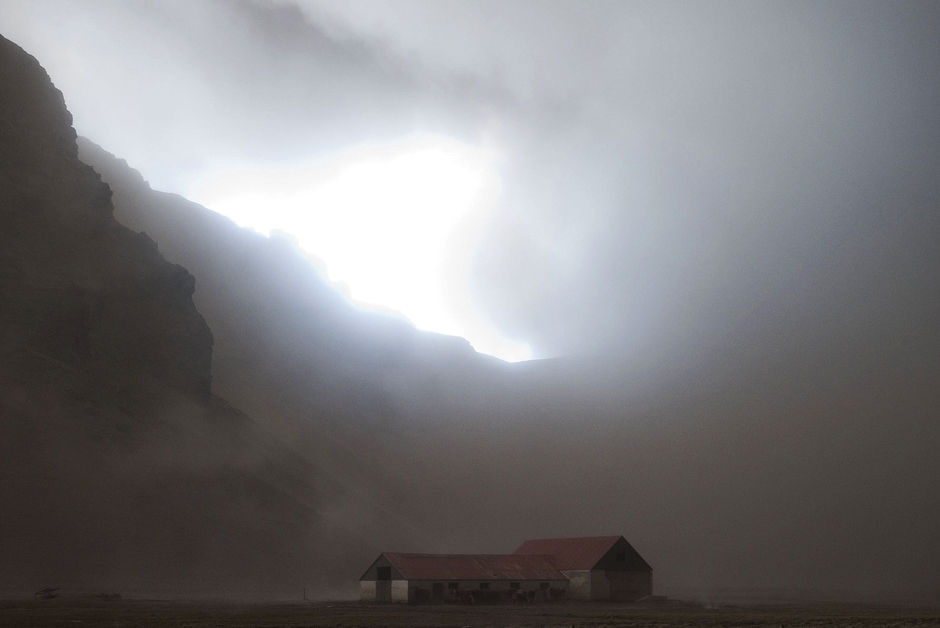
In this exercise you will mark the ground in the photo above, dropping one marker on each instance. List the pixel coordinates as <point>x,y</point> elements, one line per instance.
<point>146,614</point>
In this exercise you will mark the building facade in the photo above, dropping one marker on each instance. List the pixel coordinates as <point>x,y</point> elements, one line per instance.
<point>467,578</point>
<point>586,568</point>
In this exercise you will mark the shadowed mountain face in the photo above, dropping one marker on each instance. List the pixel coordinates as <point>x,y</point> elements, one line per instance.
<point>118,470</point>
<point>792,453</point>
<point>77,286</point>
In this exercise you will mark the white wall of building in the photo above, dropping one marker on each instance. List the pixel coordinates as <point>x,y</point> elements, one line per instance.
<point>400,590</point>
<point>579,584</point>
<point>367,590</point>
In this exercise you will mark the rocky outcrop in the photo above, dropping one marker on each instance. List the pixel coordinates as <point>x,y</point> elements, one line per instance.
<point>77,286</point>
<point>119,470</point>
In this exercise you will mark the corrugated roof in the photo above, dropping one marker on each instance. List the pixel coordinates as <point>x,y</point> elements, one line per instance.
<point>474,567</point>
<point>571,553</point>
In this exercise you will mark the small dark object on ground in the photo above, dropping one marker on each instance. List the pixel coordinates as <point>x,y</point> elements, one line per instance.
<point>47,594</point>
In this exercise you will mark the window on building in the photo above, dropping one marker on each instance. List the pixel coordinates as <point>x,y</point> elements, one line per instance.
<point>543,585</point>
<point>513,585</point>
<point>484,586</point>
<point>452,585</point>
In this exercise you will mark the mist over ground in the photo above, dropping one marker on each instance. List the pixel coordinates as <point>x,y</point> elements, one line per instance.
<point>719,220</point>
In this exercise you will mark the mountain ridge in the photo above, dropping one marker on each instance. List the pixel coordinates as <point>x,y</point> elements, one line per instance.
<point>120,470</point>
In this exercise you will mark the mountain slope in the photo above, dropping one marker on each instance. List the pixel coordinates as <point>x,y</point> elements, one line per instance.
<point>119,471</point>
<point>77,285</point>
<point>718,465</point>
<point>281,331</point>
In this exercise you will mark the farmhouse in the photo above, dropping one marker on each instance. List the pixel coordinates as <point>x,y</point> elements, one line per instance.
<point>588,568</point>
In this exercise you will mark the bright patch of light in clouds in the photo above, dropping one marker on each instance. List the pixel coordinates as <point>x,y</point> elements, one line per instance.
<point>390,222</point>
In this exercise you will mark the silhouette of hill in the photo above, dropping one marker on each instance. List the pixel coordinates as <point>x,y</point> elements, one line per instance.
<point>120,471</point>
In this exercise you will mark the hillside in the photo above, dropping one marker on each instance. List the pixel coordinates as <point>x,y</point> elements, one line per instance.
<point>287,343</point>
<point>703,460</point>
<point>120,470</point>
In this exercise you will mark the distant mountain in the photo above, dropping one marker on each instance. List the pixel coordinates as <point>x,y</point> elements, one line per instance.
<point>768,457</point>
<point>345,386</point>
<point>287,342</point>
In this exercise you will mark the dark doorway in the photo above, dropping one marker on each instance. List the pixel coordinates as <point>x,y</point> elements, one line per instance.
<point>437,592</point>
<point>383,584</point>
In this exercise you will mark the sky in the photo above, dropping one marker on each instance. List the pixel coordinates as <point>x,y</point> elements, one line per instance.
<point>544,178</point>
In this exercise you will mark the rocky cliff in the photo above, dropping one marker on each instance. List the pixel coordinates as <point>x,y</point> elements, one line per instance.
<point>119,470</point>
<point>77,287</point>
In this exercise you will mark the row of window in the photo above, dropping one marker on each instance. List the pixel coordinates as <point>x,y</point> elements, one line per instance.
<point>453,586</point>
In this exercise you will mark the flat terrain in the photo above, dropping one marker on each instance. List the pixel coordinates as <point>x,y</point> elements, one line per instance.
<point>127,613</point>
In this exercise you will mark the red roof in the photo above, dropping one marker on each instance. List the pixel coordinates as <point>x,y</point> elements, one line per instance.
<point>474,567</point>
<point>571,553</point>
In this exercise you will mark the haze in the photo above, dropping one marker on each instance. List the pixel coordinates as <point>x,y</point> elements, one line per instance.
<point>716,222</point>
<point>647,149</point>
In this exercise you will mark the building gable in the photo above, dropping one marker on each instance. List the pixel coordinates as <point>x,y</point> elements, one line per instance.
<point>372,573</point>
<point>622,557</point>
<point>586,553</point>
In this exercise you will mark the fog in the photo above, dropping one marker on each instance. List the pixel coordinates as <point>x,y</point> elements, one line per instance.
<point>666,167</point>
<point>719,220</point>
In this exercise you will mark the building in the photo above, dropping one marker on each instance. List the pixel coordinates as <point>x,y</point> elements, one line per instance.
<point>588,568</point>
<point>468,578</point>
<point>597,567</point>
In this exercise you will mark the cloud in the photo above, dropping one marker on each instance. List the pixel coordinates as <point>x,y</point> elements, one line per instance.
<point>182,88</point>
<point>681,172</point>
<point>672,172</point>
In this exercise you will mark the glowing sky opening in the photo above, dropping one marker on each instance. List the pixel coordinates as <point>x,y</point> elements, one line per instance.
<point>393,223</point>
